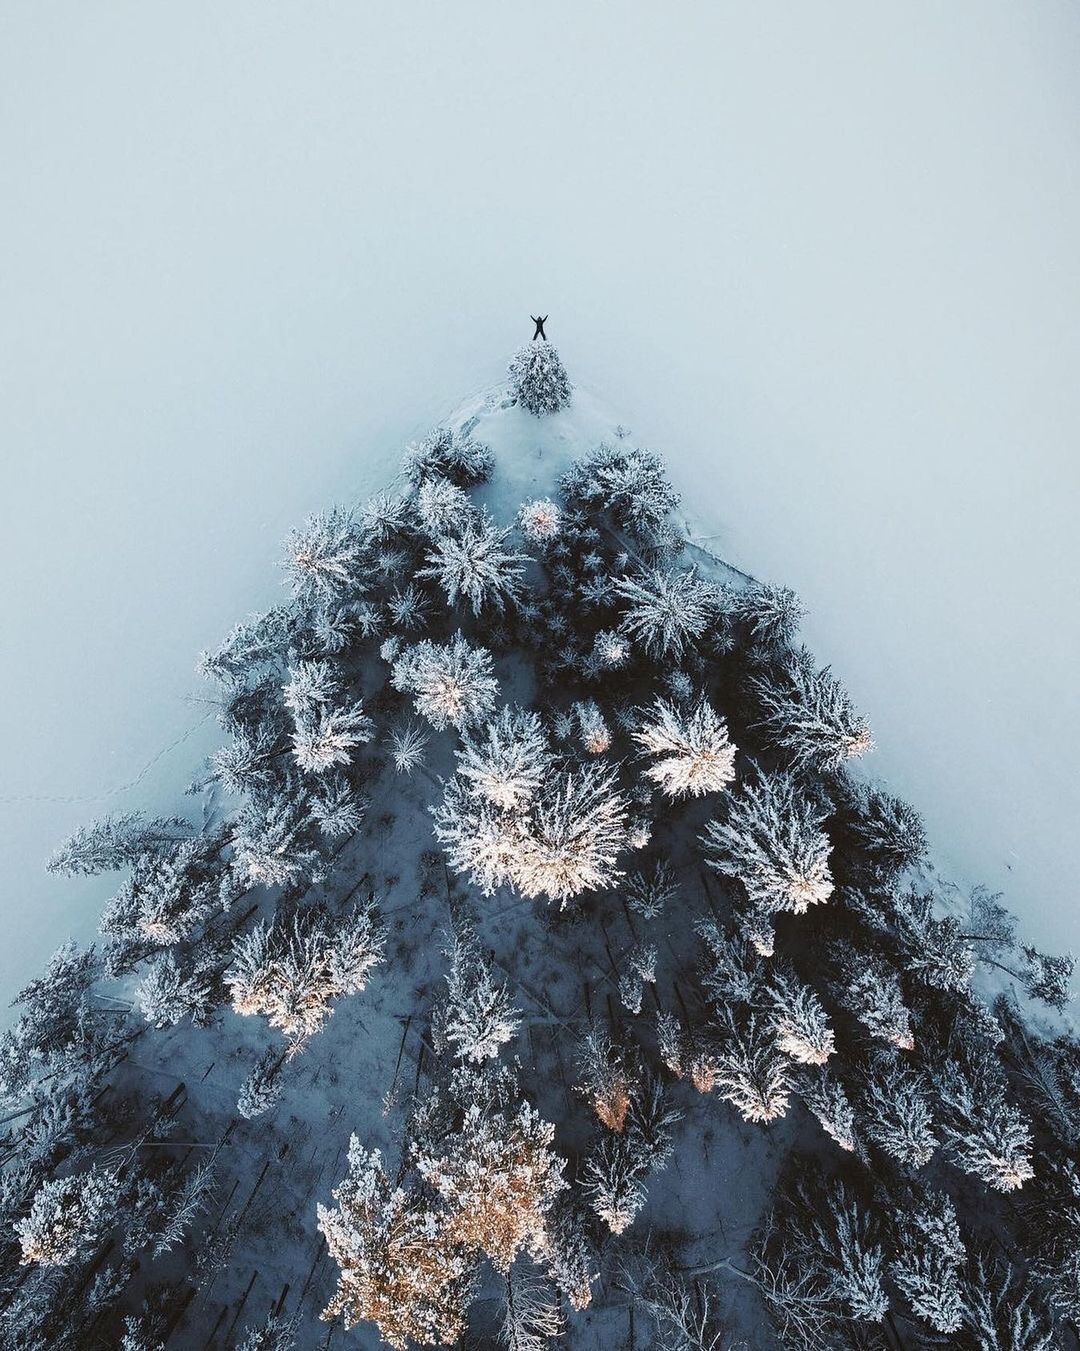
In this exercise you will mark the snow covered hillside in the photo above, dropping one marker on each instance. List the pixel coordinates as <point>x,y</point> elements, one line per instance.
<point>829,267</point>
<point>537,963</point>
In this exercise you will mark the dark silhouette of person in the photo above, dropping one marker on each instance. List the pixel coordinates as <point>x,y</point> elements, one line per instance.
<point>539,327</point>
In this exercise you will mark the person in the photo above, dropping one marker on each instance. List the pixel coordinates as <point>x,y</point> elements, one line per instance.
<point>539,327</point>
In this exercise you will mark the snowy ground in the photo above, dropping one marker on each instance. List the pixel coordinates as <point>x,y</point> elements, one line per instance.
<point>828,268</point>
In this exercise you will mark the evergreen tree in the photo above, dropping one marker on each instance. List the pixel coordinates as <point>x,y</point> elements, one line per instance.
<point>324,558</point>
<point>667,611</point>
<point>899,1115</point>
<point>869,990</point>
<point>478,1016</point>
<point>772,841</point>
<point>67,1216</point>
<point>166,994</point>
<point>292,970</point>
<point>769,614</point>
<point>531,1314</point>
<point>472,563</point>
<point>608,1080</point>
<point>498,1176</point>
<point>272,841</point>
<point>824,1096</point>
<point>261,1090</point>
<point>452,683</point>
<point>116,842</point>
<point>807,716</point>
<point>538,381</point>
<point>541,521</point>
<point>799,1022</point>
<point>631,484</point>
<point>639,970</point>
<point>276,1333</point>
<point>399,1266</point>
<point>694,753</point>
<point>648,893</point>
<point>752,1073</point>
<point>984,1135</point>
<point>927,1269</point>
<point>506,761</point>
<point>444,453</point>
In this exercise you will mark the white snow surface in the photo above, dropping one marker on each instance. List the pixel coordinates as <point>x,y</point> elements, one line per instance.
<point>826,265</point>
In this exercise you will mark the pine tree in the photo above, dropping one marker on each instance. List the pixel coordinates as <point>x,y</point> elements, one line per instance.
<point>262,1089</point>
<point>166,994</point>
<point>667,610</point>
<point>613,1180</point>
<point>610,651</point>
<point>639,970</point>
<point>531,1315</point>
<point>245,764</point>
<point>689,1053</point>
<point>250,650</point>
<point>570,1260</point>
<point>336,809</point>
<point>291,971</point>
<point>825,1098</point>
<point>183,1204</point>
<point>505,761</point>
<point>872,993</point>
<point>444,453</point>
<point>769,614</point>
<point>399,1267</point>
<point>608,1080</point>
<point>324,558</point>
<point>695,754</point>
<point>629,483</point>
<point>927,1269</point>
<point>772,841</point>
<point>452,683</point>
<point>442,506</point>
<point>614,1175</point>
<point>577,828</point>
<point>116,842</point>
<point>1047,977</point>
<point>498,1176</point>
<point>999,1315</point>
<point>67,1216</point>
<point>326,738</point>
<point>595,733</point>
<point>936,951</point>
<point>408,608</point>
<point>478,1016</point>
<point>888,831</point>
<point>168,896</point>
<point>538,381</point>
<point>407,746</point>
<point>799,1022</point>
<point>732,972</point>
<point>272,843</point>
<point>648,893</point>
<point>472,563</point>
<point>807,715</point>
<point>984,1135</point>
<point>277,1333</point>
<point>541,521</point>
<point>855,1260</point>
<point>899,1115</point>
<point>752,1073</point>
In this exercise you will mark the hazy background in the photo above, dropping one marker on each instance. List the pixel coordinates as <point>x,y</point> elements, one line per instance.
<point>824,256</point>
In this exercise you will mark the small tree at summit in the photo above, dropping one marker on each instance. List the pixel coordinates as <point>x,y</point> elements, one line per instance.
<point>538,380</point>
